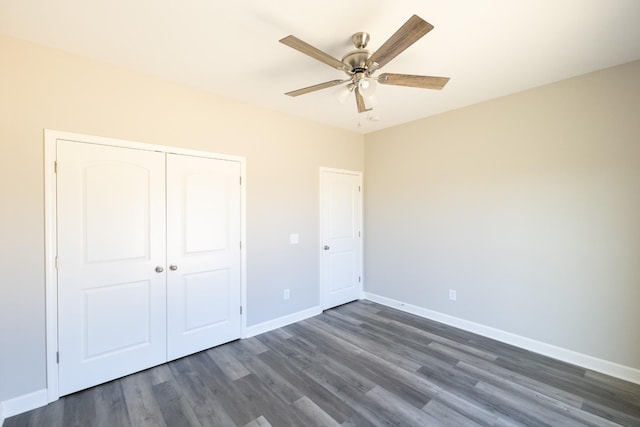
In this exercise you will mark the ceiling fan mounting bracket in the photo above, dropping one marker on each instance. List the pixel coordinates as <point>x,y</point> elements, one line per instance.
<point>360,40</point>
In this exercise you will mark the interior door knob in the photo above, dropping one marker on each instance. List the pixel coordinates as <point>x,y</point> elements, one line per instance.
<point>159,269</point>
<point>173,267</point>
<point>326,247</point>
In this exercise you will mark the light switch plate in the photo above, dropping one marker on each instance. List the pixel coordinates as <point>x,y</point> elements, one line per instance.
<point>294,239</point>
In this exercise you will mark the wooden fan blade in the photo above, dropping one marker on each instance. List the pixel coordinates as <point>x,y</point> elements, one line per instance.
<point>315,87</point>
<point>407,35</point>
<point>311,51</point>
<point>425,82</point>
<point>360,102</point>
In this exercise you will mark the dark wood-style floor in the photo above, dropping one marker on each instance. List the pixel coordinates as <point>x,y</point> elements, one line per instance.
<point>360,364</point>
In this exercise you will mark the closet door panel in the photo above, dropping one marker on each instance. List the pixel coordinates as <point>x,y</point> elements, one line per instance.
<point>111,238</point>
<point>203,253</point>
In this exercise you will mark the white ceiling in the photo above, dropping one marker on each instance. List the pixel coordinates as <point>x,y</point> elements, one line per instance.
<point>489,48</point>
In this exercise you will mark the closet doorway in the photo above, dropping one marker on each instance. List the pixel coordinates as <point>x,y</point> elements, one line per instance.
<point>146,255</point>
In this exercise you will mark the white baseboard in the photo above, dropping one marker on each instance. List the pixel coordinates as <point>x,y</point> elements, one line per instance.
<point>583,360</point>
<point>270,325</point>
<point>24,403</point>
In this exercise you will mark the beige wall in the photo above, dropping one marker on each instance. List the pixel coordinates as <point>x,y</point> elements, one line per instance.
<point>44,88</point>
<point>528,206</point>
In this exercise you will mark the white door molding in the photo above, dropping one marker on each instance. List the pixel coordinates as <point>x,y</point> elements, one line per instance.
<point>50,191</point>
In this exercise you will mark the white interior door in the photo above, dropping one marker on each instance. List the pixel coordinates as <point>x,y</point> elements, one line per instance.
<point>203,253</point>
<point>111,238</point>
<point>341,234</point>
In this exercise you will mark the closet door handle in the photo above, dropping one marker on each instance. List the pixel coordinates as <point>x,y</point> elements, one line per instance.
<point>159,269</point>
<point>173,267</point>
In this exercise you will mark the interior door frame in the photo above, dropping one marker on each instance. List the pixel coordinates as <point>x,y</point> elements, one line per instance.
<point>321,295</point>
<point>51,237</point>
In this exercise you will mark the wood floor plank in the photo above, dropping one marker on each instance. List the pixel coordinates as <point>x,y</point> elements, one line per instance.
<point>261,421</point>
<point>346,385</point>
<point>409,334</point>
<point>627,392</point>
<point>51,415</point>
<point>142,406</point>
<point>224,392</point>
<point>269,376</point>
<point>411,348</point>
<point>620,417</point>
<point>530,411</point>
<point>458,353</point>
<point>375,367</point>
<point>546,399</point>
<point>323,365</point>
<point>360,364</point>
<point>575,384</point>
<point>398,410</point>
<point>365,341</point>
<point>530,383</point>
<point>252,344</point>
<point>82,410</point>
<point>266,403</point>
<point>447,416</point>
<point>473,410</point>
<point>160,374</point>
<point>207,409</point>
<point>174,407</point>
<point>296,376</point>
<point>449,377</point>
<point>331,376</point>
<point>111,406</point>
<point>312,414</point>
<point>227,362</point>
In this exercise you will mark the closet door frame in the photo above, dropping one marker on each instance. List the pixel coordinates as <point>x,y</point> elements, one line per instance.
<point>51,277</point>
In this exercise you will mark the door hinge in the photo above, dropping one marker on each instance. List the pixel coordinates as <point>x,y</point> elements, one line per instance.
<point>359,279</point>
<point>55,166</point>
<point>240,309</point>
<point>57,262</point>
<point>240,244</point>
<point>240,180</point>
<point>57,357</point>
<point>358,233</point>
<point>359,190</point>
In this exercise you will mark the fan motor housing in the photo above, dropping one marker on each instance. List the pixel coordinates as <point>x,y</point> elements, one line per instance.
<point>356,61</point>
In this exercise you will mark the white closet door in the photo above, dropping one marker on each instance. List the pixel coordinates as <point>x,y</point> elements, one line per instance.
<point>203,253</point>
<point>111,238</point>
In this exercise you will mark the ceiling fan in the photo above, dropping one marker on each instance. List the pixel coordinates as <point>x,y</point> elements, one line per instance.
<point>360,64</point>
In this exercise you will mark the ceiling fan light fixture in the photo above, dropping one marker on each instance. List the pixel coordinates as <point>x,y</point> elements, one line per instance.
<point>367,86</point>
<point>343,92</point>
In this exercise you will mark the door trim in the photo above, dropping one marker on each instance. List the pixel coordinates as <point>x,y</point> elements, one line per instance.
<point>321,296</point>
<point>51,236</point>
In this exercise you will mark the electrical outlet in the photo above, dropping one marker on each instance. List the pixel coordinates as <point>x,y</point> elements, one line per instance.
<point>287,294</point>
<point>452,294</point>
